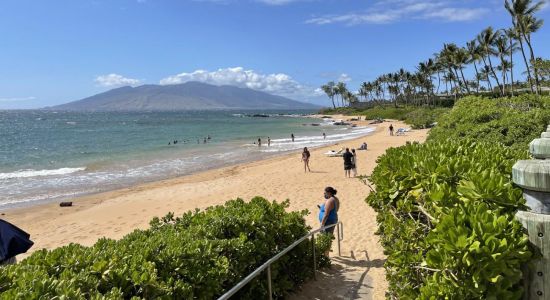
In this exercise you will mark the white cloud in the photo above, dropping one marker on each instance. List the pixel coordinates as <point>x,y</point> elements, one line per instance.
<point>276,83</point>
<point>114,80</point>
<point>344,77</point>
<point>16,99</point>
<point>390,11</point>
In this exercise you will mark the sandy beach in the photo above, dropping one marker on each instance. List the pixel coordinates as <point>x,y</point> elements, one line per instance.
<point>358,273</point>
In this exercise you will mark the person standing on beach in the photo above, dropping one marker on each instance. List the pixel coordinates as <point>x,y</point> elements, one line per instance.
<point>328,213</point>
<point>348,164</point>
<point>354,162</point>
<point>259,142</point>
<point>305,158</point>
<point>268,141</point>
<point>391,129</point>
<point>292,136</point>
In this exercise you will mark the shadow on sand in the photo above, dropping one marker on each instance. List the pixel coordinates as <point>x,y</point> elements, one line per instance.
<point>346,279</point>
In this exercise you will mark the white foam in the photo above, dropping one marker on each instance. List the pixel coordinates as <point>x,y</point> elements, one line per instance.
<point>36,173</point>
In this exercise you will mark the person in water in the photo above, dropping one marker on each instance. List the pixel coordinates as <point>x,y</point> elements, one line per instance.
<point>292,136</point>
<point>305,158</point>
<point>328,213</point>
<point>324,136</point>
<point>259,142</point>
<point>268,141</point>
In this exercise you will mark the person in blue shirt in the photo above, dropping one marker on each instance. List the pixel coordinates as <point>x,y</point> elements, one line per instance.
<point>328,213</point>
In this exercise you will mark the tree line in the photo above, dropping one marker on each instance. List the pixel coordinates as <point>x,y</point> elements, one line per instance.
<point>491,53</point>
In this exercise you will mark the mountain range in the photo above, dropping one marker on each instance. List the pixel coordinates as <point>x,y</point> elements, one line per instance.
<point>185,96</point>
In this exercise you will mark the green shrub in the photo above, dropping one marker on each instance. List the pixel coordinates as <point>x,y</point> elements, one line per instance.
<point>513,121</point>
<point>446,220</point>
<point>199,255</point>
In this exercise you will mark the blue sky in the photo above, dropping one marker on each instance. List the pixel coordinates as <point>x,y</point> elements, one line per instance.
<point>53,52</point>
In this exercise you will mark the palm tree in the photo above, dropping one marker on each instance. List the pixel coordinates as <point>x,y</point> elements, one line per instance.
<point>329,90</point>
<point>486,40</point>
<point>529,24</point>
<point>511,34</point>
<point>475,56</point>
<point>519,10</point>
<point>501,45</point>
<point>341,89</point>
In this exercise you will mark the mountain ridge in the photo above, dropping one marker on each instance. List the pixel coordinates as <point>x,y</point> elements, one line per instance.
<point>191,95</point>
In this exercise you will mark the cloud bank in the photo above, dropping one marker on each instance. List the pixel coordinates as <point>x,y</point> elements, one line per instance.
<point>114,80</point>
<point>276,83</point>
<point>391,11</point>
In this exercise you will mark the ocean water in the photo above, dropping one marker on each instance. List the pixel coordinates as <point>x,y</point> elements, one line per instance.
<point>49,155</point>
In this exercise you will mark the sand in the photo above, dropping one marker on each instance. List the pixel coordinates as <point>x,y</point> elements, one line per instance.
<point>358,273</point>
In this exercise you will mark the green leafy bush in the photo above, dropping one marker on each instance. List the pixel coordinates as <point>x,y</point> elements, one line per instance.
<point>446,219</point>
<point>513,121</point>
<point>199,255</point>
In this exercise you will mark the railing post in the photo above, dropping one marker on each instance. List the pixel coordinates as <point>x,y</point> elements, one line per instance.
<point>338,237</point>
<point>533,176</point>
<point>269,282</point>
<point>314,258</point>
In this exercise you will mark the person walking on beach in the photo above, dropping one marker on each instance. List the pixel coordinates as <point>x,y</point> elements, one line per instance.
<point>268,141</point>
<point>328,211</point>
<point>305,159</point>
<point>391,129</point>
<point>348,164</point>
<point>292,136</point>
<point>354,162</point>
<point>259,142</point>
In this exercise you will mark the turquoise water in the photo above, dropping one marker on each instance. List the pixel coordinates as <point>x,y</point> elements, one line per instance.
<point>48,155</point>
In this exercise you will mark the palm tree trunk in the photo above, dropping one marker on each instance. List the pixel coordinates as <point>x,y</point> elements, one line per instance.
<point>464,79</point>
<point>488,77</point>
<point>477,76</point>
<point>512,67</point>
<point>332,99</point>
<point>529,78</point>
<point>503,74</point>
<point>494,74</point>
<point>535,70</point>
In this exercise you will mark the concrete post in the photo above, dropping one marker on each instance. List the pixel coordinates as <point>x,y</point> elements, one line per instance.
<point>533,176</point>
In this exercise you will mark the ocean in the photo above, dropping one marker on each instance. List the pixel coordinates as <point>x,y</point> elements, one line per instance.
<point>49,155</point>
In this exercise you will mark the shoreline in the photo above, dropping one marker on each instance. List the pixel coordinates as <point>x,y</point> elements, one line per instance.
<point>219,156</point>
<point>116,213</point>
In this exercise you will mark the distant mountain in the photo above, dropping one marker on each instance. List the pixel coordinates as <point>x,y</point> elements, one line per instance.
<point>186,96</point>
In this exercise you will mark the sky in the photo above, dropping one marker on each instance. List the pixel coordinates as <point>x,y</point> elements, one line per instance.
<point>57,51</point>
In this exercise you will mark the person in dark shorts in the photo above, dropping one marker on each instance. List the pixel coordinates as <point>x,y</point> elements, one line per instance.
<point>328,213</point>
<point>292,136</point>
<point>348,162</point>
<point>305,158</point>
<point>391,129</point>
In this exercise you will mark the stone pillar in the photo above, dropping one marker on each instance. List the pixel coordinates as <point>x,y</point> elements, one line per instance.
<point>533,176</point>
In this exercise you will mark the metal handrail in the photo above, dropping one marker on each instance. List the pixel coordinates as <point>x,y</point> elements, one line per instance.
<point>267,264</point>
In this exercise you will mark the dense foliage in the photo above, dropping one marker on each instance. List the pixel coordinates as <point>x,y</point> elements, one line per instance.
<point>513,122</point>
<point>417,117</point>
<point>446,219</point>
<point>199,255</point>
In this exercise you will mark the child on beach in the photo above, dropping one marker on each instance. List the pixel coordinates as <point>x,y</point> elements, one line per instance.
<point>305,159</point>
